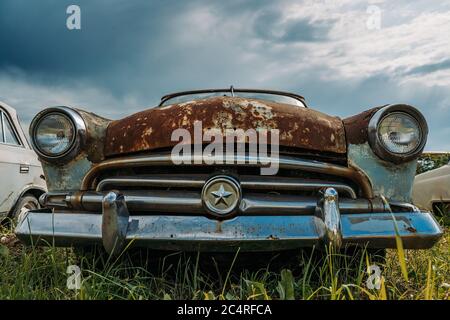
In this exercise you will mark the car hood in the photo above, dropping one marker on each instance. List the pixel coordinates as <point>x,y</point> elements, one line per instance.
<point>298,127</point>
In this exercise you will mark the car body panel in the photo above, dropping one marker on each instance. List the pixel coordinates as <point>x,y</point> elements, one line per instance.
<point>394,182</point>
<point>150,202</point>
<point>69,175</point>
<point>432,187</point>
<point>298,127</point>
<point>390,180</point>
<point>20,168</point>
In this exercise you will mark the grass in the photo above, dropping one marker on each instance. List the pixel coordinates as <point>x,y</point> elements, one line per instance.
<point>40,273</point>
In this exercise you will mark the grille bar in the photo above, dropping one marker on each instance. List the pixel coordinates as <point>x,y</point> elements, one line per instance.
<point>247,182</point>
<point>190,203</point>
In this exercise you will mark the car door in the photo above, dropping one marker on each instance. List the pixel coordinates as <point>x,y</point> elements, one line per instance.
<point>15,163</point>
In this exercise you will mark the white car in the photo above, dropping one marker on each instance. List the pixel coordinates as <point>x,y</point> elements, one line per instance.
<point>432,189</point>
<point>22,180</point>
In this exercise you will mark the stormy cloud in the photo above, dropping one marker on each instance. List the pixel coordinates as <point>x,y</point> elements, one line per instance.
<point>130,53</point>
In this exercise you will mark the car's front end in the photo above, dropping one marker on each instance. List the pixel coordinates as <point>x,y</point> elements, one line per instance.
<point>115,183</point>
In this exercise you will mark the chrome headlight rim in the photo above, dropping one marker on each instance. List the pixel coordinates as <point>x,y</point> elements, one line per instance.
<point>379,147</point>
<point>77,142</point>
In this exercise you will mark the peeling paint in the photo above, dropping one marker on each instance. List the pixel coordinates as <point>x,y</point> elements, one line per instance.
<point>390,180</point>
<point>356,126</point>
<point>299,127</point>
<point>96,132</point>
<point>67,177</point>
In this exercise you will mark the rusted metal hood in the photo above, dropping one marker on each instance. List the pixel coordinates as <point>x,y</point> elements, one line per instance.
<point>298,127</point>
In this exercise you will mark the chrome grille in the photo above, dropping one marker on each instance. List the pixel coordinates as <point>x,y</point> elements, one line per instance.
<point>149,187</point>
<point>268,183</point>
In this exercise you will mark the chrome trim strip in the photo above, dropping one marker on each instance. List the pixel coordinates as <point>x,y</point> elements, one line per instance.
<point>7,119</point>
<point>332,217</point>
<point>282,183</point>
<point>2,126</point>
<point>190,203</point>
<point>115,218</point>
<point>187,202</point>
<point>193,181</point>
<point>232,90</point>
<point>404,205</point>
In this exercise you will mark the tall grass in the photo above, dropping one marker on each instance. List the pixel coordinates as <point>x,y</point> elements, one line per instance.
<point>40,273</point>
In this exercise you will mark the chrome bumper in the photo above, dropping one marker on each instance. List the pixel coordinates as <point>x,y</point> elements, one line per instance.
<point>115,229</point>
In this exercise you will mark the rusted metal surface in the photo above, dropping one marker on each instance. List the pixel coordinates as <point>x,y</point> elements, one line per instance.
<point>68,176</point>
<point>356,126</point>
<point>394,181</point>
<point>174,217</point>
<point>298,127</point>
<point>389,178</point>
<point>95,135</point>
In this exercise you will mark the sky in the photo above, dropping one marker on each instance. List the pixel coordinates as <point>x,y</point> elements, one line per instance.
<point>342,56</point>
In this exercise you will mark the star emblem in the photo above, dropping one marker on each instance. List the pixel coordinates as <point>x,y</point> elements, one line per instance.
<point>221,195</point>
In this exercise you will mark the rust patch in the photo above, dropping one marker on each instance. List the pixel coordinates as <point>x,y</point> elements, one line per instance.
<point>219,227</point>
<point>95,135</point>
<point>356,126</point>
<point>298,127</point>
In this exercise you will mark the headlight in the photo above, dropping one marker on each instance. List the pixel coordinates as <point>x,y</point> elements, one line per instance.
<point>54,134</point>
<point>398,133</point>
<point>57,133</point>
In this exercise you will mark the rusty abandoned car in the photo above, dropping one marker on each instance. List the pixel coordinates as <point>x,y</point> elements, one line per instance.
<point>344,182</point>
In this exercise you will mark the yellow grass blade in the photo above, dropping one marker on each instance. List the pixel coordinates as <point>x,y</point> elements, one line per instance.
<point>400,250</point>
<point>429,287</point>
<point>382,295</point>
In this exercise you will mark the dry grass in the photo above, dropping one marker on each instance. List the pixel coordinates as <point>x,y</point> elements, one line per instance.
<point>40,273</point>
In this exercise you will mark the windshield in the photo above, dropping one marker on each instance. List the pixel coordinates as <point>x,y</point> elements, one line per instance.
<point>273,96</point>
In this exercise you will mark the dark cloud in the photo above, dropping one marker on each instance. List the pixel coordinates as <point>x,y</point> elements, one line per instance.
<point>345,99</point>
<point>106,50</point>
<point>429,68</point>
<point>130,53</point>
<point>128,48</point>
<point>269,25</point>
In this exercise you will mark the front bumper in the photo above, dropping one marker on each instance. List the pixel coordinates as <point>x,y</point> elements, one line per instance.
<point>418,230</point>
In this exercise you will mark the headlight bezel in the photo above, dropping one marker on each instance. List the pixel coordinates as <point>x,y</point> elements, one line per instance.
<point>378,146</point>
<point>78,140</point>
